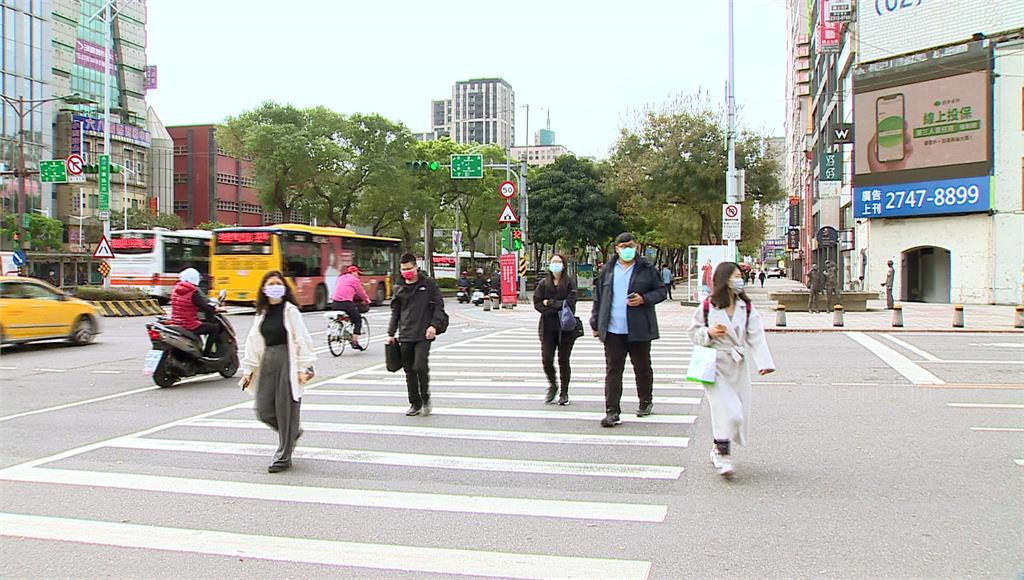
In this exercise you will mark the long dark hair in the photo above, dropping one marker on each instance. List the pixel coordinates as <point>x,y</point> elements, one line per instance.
<point>721,293</point>
<point>262,302</point>
<point>563,280</point>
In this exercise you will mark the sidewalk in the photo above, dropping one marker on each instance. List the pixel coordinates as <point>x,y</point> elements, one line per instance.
<point>917,316</point>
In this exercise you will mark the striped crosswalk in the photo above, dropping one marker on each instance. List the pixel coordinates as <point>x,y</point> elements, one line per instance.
<point>490,456</point>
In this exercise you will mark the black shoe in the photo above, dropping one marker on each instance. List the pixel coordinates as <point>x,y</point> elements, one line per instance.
<point>611,419</point>
<point>645,409</point>
<point>299,434</point>
<point>279,467</point>
<point>563,400</point>
<point>357,346</point>
<point>550,397</point>
<point>412,412</point>
<point>426,409</point>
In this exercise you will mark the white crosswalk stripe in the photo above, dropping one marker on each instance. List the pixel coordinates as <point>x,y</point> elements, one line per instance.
<point>489,428</point>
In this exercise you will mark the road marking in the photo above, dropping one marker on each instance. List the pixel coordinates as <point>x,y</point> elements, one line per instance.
<point>975,386</point>
<point>855,384</point>
<point>441,561</point>
<point>499,413</point>
<point>467,434</point>
<point>499,396</point>
<point>437,502</point>
<point>769,384</point>
<point>8,368</point>
<point>979,362</point>
<point>50,370</point>
<point>999,344</point>
<point>480,374</point>
<point>503,359</point>
<point>985,405</point>
<point>104,372</point>
<point>901,364</point>
<point>503,384</point>
<point>1019,462</point>
<point>925,355</point>
<point>999,429</point>
<point>536,364</point>
<point>420,460</point>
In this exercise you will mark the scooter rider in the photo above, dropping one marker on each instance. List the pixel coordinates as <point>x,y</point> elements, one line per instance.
<point>480,282</point>
<point>187,301</point>
<point>464,281</point>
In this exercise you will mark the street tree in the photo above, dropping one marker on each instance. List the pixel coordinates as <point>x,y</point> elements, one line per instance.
<point>140,219</point>
<point>44,233</point>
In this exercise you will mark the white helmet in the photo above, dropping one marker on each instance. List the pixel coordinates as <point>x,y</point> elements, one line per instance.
<point>190,275</point>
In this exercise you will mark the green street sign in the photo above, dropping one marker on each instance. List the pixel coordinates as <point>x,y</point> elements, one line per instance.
<point>53,171</point>
<point>831,166</point>
<point>104,177</point>
<point>26,220</point>
<point>467,166</point>
<point>506,238</point>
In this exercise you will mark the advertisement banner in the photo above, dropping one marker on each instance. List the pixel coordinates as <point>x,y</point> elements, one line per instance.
<point>509,275</point>
<point>149,82</point>
<point>946,196</point>
<point>839,11</point>
<point>831,166</point>
<point>91,126</point>
<point>891,27</point>
<point>585,280</point>
<point>92,56</point>
<point>829,33</point>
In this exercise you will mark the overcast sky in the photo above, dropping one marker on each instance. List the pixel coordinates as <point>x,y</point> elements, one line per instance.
<point>594,63</point>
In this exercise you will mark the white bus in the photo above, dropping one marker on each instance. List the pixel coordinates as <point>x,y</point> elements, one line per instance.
<point>150,260</point>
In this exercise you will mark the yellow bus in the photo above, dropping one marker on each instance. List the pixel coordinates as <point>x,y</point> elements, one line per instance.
<point>311,258</point>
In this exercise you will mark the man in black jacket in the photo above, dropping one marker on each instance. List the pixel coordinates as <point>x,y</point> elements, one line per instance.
<point>417,315</point>
<point>624,318</point>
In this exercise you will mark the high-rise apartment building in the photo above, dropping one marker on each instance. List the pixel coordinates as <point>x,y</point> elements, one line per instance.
<point>480,111</point>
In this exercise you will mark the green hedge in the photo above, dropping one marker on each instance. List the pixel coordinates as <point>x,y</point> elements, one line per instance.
<point>100,293</point>
<point>448,282</point>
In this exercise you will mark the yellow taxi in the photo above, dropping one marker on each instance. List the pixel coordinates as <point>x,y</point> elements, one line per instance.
<point>31,310</point>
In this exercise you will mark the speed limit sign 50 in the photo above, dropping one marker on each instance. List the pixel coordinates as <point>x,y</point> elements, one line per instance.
<point>507,189</point>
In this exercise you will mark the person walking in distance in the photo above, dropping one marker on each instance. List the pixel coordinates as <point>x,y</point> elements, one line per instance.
<point>278,362</point>
<point>890,277</point>
<point>349,290</point>
<point>553,292</point>
<point>625,320</point>
<point>666,278</point>
<point>705,277</point>
<point>761,276</point>
<point>814,284</point>
<point>728,323</point>
<point>417,316</point>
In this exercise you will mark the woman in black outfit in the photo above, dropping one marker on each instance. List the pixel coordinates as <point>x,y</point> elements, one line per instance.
<point>554,291</point>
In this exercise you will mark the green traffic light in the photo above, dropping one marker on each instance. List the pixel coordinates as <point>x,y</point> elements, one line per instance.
<point>434,165</point>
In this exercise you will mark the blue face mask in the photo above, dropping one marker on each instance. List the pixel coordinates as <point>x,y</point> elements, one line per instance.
<point>556,267</point>
<point>627,254</point>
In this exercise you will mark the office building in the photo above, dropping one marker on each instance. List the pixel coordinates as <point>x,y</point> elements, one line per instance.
<point>479,111</point>
<point>539,154</point>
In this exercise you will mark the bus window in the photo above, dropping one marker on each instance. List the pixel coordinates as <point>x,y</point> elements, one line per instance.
<point>181,253</point>
<point>243,243</point>
<point>301,255</point>
<point>130,243</point>
<point>373,258</point>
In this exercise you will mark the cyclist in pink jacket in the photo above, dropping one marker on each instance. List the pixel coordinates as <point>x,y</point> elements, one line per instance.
<point>349,290</point>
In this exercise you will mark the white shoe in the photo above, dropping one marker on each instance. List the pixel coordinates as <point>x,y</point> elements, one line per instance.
<point>722,463</point>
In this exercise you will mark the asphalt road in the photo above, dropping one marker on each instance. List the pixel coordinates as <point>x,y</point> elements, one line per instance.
<point>872,456</point>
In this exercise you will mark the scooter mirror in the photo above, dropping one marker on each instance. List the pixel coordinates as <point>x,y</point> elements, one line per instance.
<point>222,295</point>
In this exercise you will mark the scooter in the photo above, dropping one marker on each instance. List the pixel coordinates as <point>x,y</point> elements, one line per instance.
<point>478,297</point>
<point>178,353</point>
<point>462,295</point>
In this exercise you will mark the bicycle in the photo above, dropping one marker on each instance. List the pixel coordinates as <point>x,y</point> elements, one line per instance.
<point>339,332</point>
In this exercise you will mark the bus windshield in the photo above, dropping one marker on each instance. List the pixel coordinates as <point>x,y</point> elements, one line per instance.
<point>132,243</point>
<point>243,243</point>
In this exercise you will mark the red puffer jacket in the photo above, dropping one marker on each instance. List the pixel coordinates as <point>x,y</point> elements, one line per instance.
<point>183,312</point>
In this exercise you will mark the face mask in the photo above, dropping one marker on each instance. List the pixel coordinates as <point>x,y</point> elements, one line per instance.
<point>736,285</point>
<point>627,254</point>
<point>556,267</point>
<point>276,291</point>
<point>409,275</point>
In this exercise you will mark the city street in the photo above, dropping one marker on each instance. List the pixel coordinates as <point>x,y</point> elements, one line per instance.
<point>873,454</point>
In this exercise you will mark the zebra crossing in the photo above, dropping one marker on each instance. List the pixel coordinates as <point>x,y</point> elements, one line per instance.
<point>459,492</point>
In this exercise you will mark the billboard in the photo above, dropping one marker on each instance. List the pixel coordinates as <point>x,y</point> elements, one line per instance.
<point>892,27</point>
<point>924,133</point>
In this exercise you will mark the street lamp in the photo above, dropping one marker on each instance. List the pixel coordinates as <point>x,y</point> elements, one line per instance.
<point>20,109</point>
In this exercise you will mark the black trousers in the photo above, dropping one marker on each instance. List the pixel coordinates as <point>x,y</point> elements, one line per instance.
<point>616,347</point>
<point>415,357</point>
<point>350,308</point>
<point>212,332</point>
<point>553,340</point>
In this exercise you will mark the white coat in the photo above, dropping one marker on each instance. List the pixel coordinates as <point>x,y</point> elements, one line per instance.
<point>300,350</point>
<point>729,396</point>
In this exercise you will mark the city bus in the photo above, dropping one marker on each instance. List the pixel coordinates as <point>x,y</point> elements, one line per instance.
<point>310,257</point>
<point>151,260</point>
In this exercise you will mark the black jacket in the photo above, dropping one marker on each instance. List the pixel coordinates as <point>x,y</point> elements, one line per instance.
<point>559,295</point>
<point>642,320</point>
<point>414,307</point>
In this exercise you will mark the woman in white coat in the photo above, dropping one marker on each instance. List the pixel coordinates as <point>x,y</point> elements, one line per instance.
<point>278,361</point>
<point>727,323</point>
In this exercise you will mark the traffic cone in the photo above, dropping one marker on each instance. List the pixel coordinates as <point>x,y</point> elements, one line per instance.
<point>780,315</point>
<point>958,316</point>
<point>897,316</point>
<point>837,315</point>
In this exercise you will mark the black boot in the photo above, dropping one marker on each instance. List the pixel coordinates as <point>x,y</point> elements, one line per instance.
<point>550,397</point>
<point>563,397</point>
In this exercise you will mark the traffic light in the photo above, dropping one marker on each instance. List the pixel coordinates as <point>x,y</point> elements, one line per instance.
<point>517,239</point>
<point>94,168</point>
<point>423,166</point>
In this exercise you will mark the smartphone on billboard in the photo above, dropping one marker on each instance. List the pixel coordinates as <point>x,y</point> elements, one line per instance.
<point>889,114</point>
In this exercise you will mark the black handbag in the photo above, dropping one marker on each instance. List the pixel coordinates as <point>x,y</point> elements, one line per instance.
<point>578,331</point>
<point>393,357</point>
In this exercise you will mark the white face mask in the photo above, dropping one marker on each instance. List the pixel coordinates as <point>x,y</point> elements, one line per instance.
<point>736,284</point>
<point>275,291</point>
<point>556,267</point>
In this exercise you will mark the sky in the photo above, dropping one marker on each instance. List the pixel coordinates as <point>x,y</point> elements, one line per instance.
<point>594,64</point>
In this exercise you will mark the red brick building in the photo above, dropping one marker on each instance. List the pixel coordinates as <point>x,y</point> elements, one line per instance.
<point>209,185</point>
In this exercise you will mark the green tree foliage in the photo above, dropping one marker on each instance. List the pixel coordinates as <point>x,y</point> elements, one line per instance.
<point>44,232</point>
<point>212,225</point>
<point>668,177</point>
<point>568,206</point>
<point>140,219</point>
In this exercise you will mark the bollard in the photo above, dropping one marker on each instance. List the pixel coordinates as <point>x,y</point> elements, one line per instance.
<point>487,304</point>
<point>958,316</point>
<point>1018,317</point>
<point>897,316</point>
<point>837,315</point>
<point>780,315</point>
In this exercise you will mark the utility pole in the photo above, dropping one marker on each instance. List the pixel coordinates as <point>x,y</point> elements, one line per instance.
<point>730,103</point>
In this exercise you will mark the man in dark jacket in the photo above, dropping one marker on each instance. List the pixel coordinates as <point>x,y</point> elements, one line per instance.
<point>417,315</point>
<point>624,318</point>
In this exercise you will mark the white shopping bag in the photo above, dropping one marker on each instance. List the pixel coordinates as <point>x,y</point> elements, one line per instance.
<point>702,365</point>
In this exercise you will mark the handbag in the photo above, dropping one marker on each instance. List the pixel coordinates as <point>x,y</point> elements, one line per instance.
<point>567,318</point>
<point>702,365</point>
<point>393,357</point>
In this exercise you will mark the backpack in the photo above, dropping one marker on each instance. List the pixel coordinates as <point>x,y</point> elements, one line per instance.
<point>707,309</point>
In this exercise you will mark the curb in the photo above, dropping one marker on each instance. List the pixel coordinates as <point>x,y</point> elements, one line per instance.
<point>125,308</point>
<point>898,330</point>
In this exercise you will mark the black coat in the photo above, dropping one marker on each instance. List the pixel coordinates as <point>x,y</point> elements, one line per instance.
<point>559,295</point>
<point>642,320</point>
<point>414,307</point>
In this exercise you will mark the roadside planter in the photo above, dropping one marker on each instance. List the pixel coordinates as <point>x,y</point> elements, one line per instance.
<point>119,303</point>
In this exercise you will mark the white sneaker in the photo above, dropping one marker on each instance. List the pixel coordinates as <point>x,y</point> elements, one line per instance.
<point>722,463</point>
